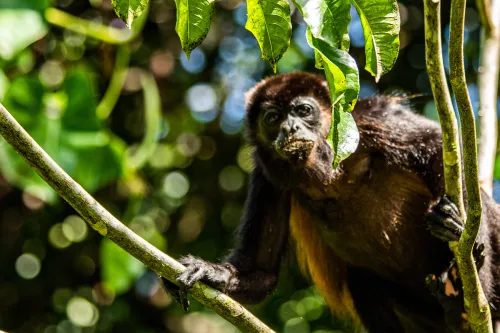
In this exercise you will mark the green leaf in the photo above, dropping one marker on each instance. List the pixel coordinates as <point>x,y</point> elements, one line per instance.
<point>65,124</point>
<point>341,73</point>
<point>80,114</point>
<point>119,270</point>
<point>380,21</point>
<point>19,28</point>
<point>327,19</point>
<point>129,10</point>
<point>343,82</point>
<point>193,22</point>
<point>343,135</point>
<point>269,21</point>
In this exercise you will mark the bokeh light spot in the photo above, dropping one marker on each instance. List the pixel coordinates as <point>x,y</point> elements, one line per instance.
<point>296,325</point>
<point>196,62</point>
<point>52,73</point>
<point>74,228</point>
<point>176,185</point>
<point>81,312</point>
<point>60,299</point>
<point>231,178</point>
<point>188,144</point>
<point>57,237</point>
<point>201,97</point>
<point>28,266</point>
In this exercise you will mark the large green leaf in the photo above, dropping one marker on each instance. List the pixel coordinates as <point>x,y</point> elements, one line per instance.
<point>343,82</point>
<point>129,10</point>
<point>269,21</point>
<point>19,28</point>
<point>380,21</point>
<point>327,19</point>
<point>193,22</point>
<point>65,125</point>
<point>119,270</point>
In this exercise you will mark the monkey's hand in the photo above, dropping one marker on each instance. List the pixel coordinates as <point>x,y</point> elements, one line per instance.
<point>215,275</point>
<point>444,222</point>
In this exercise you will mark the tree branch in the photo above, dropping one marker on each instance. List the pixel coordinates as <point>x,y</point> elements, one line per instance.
<point>96,30</point>
<point>487,80</point>
<point>107,225</point>
<point>475,302</point>
<point>435,69</point>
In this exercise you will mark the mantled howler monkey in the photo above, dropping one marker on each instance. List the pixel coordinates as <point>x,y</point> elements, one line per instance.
<point>360,231</point>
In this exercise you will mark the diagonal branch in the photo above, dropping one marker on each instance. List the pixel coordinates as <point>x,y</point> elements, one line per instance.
<point>107,225</point>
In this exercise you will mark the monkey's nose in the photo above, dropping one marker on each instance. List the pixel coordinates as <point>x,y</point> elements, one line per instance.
<point>290,127</point>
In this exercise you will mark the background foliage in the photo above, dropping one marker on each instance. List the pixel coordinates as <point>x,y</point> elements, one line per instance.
<point>169,159</point>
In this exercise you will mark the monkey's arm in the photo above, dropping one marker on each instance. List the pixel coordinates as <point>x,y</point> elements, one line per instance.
<point>250,273</point>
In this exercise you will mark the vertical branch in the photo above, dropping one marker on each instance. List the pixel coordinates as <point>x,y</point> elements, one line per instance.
<point>435,69</point>
<point>487,80</point>
<point>475,302</point>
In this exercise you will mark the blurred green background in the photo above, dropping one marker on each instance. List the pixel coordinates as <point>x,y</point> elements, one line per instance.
<point>158,140</point>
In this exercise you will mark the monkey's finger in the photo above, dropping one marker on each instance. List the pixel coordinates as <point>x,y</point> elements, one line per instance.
<point>435,221</point>
<point>447,206</point>
<point>479,254</point>
<point>444,234</point>
<point>189,276</point>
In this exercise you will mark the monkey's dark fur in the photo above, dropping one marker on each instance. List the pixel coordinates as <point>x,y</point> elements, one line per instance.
<point>359,231</point>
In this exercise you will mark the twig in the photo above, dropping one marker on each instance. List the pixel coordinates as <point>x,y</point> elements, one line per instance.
<point>437,77</point>
<point>107,225</point>
<point>475,302</point>
<point>487,80</point>
<point>93,29</point>
<point>485,13</point>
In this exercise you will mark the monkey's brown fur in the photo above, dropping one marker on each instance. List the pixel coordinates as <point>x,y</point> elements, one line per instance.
<point>359,231</point>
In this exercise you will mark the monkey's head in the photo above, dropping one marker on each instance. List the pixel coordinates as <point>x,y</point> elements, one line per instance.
<point>289,114</point>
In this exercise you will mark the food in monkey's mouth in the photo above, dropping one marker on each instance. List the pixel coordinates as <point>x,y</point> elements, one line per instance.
<point>298,147</point>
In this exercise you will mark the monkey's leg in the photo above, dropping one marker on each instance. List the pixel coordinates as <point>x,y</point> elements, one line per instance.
<point>372,303</point>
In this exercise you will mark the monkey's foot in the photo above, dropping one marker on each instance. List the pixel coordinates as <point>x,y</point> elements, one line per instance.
<point>446,288</point>
<point>444,221</point>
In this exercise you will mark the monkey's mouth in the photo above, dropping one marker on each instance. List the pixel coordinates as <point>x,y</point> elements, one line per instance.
<point>295,147</point>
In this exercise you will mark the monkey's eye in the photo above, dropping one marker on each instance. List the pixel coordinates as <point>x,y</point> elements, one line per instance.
<point>271,118</point>
<point>303,110</point>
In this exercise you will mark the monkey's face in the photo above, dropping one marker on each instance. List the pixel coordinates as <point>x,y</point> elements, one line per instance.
<point>291,130</point>
<point>288,115</point>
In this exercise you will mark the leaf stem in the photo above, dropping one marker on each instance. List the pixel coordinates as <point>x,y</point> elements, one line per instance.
<point>153,120</point>
<point>107,225</point>
<point>116,83</point>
